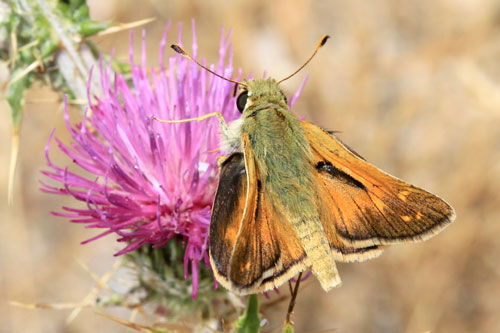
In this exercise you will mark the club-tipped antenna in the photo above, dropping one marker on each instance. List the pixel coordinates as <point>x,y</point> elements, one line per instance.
<point>179,49</point>
<point>320,44</point>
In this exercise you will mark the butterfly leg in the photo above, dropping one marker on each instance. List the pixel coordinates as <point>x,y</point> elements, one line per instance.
<point>224,126</point>
<point>293,292</point>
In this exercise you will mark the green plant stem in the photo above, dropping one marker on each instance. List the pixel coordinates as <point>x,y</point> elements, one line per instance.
<point>249,322</point>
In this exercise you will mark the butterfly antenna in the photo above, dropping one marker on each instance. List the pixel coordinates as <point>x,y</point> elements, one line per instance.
<point>179,49</point>
<point>320,44</point>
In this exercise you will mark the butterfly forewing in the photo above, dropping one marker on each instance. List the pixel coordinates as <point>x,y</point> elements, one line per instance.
<point>367,206</point>
<point>227,213</point>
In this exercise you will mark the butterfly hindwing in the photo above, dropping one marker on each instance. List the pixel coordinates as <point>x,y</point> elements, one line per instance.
<point>366,206</point>
<point>267,252</point>
<point>251,246</point>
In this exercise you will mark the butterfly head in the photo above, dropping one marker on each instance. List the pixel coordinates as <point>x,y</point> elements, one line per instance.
<point>260,92</point>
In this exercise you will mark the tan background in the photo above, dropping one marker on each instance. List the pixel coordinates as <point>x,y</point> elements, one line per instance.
<point>414,88</point>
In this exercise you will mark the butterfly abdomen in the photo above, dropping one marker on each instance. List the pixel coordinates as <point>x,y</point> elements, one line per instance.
<point>317,249</point>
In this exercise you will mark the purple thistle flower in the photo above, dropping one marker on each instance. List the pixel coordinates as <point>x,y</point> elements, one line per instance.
<point>152,181</point>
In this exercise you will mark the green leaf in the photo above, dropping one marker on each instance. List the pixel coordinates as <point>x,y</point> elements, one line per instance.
<point>89,28</point>
<point>76,3</point>
<point>15,97</point>
<point>48,47</point>
<point>80,12</point>
<point>249,322</point>
<point>64,9</point>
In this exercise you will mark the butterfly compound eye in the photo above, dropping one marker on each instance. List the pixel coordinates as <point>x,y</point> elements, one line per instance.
<point>242,101</point>
<point>284,98</point>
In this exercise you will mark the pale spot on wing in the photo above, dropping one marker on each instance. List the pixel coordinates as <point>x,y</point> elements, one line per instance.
<point>379,203</point>
<point>231,234</point>
<point>403,194</point>
<point>406,218</point>
<point>419,216</point>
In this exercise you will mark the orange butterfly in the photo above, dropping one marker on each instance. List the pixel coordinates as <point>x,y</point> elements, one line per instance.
<point>292,196</point>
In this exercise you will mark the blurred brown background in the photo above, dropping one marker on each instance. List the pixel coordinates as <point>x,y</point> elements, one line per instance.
<point>413,86</point>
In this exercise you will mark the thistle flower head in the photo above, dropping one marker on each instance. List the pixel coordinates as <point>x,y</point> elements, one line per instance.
<point>149,182</point>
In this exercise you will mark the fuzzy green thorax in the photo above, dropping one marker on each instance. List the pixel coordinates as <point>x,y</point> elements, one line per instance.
<point>283,156</point>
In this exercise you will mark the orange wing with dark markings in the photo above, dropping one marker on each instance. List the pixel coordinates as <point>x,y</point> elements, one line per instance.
<point>251,247</point>
<point>227,213</point>
<point>365,206</point>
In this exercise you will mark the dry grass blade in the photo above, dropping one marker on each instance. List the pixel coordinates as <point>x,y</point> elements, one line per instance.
<point>125,26</point>
<point>93,293</point>
<point>27,70</point>
<point>52,306</point>
<point>138,327</point>
<point>179,327</point>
